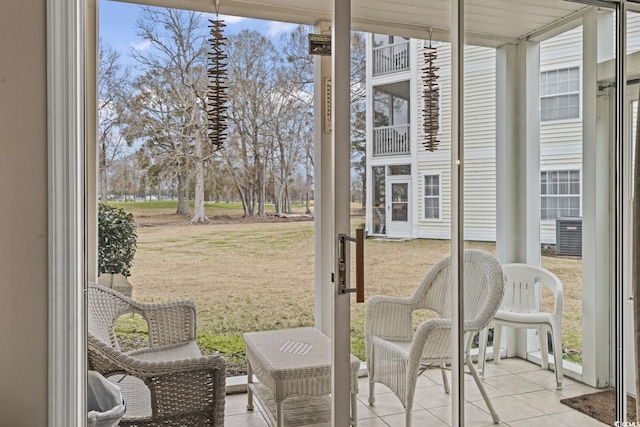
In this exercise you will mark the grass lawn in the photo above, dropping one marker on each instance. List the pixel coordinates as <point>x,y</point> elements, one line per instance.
<point>248,276</point>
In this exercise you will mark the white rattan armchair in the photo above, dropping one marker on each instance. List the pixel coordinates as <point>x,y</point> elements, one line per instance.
<point>521,308</point>
<point>396,354</point>
<point>168,383</point>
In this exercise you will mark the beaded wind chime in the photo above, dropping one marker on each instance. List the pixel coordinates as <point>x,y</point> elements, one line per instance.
<point>431,95</point>
<point>217,89</point>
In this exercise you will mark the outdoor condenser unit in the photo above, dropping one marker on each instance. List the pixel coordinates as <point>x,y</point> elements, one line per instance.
<point>569,236</point>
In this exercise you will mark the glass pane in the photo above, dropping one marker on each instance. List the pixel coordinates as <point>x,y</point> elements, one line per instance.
<point>378,199</point>
<point>400,170</point>
<point>575,188</point>
<point>399,192</point>
<point>399,211</point>
<point>574,80</point>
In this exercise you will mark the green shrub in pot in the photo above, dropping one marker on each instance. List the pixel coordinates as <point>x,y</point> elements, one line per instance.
<point>117,240</point>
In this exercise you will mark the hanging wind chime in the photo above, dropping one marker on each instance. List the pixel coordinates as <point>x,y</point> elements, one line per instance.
<point>431,96</point>
<point>217,90</point>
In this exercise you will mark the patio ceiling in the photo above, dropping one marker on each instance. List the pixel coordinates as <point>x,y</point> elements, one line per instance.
<point>488,22</point>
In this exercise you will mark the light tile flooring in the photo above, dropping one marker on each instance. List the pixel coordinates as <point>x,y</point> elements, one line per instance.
<point>522,393</point>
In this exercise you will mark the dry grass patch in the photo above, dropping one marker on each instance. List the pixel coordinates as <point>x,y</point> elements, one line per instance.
<point>255,276</point>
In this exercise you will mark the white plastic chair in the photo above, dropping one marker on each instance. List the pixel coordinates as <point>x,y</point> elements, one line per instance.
<point>521,309</point>
<point>396,355</point>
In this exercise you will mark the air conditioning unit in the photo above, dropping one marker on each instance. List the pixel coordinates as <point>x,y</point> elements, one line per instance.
<point>569,236</point>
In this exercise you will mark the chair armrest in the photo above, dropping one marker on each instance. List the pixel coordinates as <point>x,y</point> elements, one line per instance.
<point>170,322</point>
<point>387,317</point>
<point>433,337</point>
<point>199,381</point>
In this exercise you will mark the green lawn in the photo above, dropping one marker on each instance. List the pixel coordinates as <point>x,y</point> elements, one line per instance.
<point>246,276</point>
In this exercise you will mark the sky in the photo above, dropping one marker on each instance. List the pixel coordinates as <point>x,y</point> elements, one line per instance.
<point>117,23</point>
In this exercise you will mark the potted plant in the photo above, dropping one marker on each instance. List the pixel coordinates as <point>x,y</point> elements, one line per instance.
<point>117,241</point>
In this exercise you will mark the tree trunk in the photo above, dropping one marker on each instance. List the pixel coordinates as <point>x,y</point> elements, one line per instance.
<point>199,215</point>
<point>183,199</point>
<point>104,183</point>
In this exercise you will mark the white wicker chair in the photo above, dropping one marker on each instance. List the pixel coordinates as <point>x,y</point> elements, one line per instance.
<point>395,354</point>
<point>168,383</point>
<point>521,309</point>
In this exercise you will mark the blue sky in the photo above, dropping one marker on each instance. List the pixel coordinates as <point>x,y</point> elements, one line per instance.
<point>117,22</point>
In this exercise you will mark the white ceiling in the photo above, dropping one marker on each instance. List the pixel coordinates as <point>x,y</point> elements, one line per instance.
<point>488,22</point>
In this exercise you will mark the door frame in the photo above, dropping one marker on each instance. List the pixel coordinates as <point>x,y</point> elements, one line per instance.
<point>627,273</point>
<point>399,230</point>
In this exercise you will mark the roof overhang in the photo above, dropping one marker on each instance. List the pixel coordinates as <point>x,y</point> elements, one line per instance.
<point>490,23</point>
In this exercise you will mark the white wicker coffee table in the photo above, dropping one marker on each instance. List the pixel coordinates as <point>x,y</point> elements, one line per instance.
<point>293,362</point>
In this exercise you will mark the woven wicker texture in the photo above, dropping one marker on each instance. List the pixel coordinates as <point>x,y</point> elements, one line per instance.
<point>395,353</point>
<point>291,363</point>
<point>168,383</point>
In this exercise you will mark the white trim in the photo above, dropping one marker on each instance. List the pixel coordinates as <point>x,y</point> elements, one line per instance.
<point>422,217</point>
<point>66,187</point>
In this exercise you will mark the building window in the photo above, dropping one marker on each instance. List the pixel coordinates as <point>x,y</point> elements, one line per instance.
<point>560,94</point>
<point>400,170</point>
<point>432,197</point>
<point>560,191</point>
<point>378,200</point>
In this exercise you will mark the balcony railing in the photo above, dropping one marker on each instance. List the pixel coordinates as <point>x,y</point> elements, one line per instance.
<point>390,58</point>
<point>391,140</point>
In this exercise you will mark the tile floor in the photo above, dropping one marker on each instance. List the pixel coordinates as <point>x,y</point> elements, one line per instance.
<point>522,393</point>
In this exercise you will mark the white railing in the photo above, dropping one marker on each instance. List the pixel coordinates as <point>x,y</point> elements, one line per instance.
<point>390,58</point>
<point>391,140</point>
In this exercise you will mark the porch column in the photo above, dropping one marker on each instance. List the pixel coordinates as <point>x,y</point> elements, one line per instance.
<point>596,212</point>
<point>518,153</point>
<point>518,162</point>
<point>322,188</point>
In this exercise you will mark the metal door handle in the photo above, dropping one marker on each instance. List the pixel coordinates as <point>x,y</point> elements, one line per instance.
<point>342,266</point>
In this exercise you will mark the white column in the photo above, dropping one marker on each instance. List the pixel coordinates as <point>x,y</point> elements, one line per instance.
<point>322,190</point>
<point>518,162</point>
<point>341,156</point>
<point>518,153</point>
<point>596,213</point>
<point>66,141</point>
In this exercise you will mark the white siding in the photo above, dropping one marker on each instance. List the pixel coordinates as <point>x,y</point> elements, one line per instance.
<point>480,145</point>
<point>560,142</point>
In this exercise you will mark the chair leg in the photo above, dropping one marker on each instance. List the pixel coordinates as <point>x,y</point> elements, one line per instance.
<point>408,408</point>
<point>544,348</point>
<point>483,392</point>
<point>482,350</point>
<point>497,343</point>
<point>445,380</point>
<point>557,355</point>
<point>372,392</point>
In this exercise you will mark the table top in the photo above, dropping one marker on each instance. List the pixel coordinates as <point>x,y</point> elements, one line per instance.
<point>289,349</point>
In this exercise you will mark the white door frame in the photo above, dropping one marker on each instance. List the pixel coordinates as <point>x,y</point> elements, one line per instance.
<point>629,346</point>
<point>397,228</point>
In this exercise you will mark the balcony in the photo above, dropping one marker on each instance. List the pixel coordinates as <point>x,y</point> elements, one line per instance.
<point>390,58</point>
<point>391,140</point>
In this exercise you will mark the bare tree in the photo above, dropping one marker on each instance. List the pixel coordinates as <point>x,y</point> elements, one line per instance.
<point>177,56</point>
<point>295,51</point>
<point>252,66</point>
<point>113,81</point>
